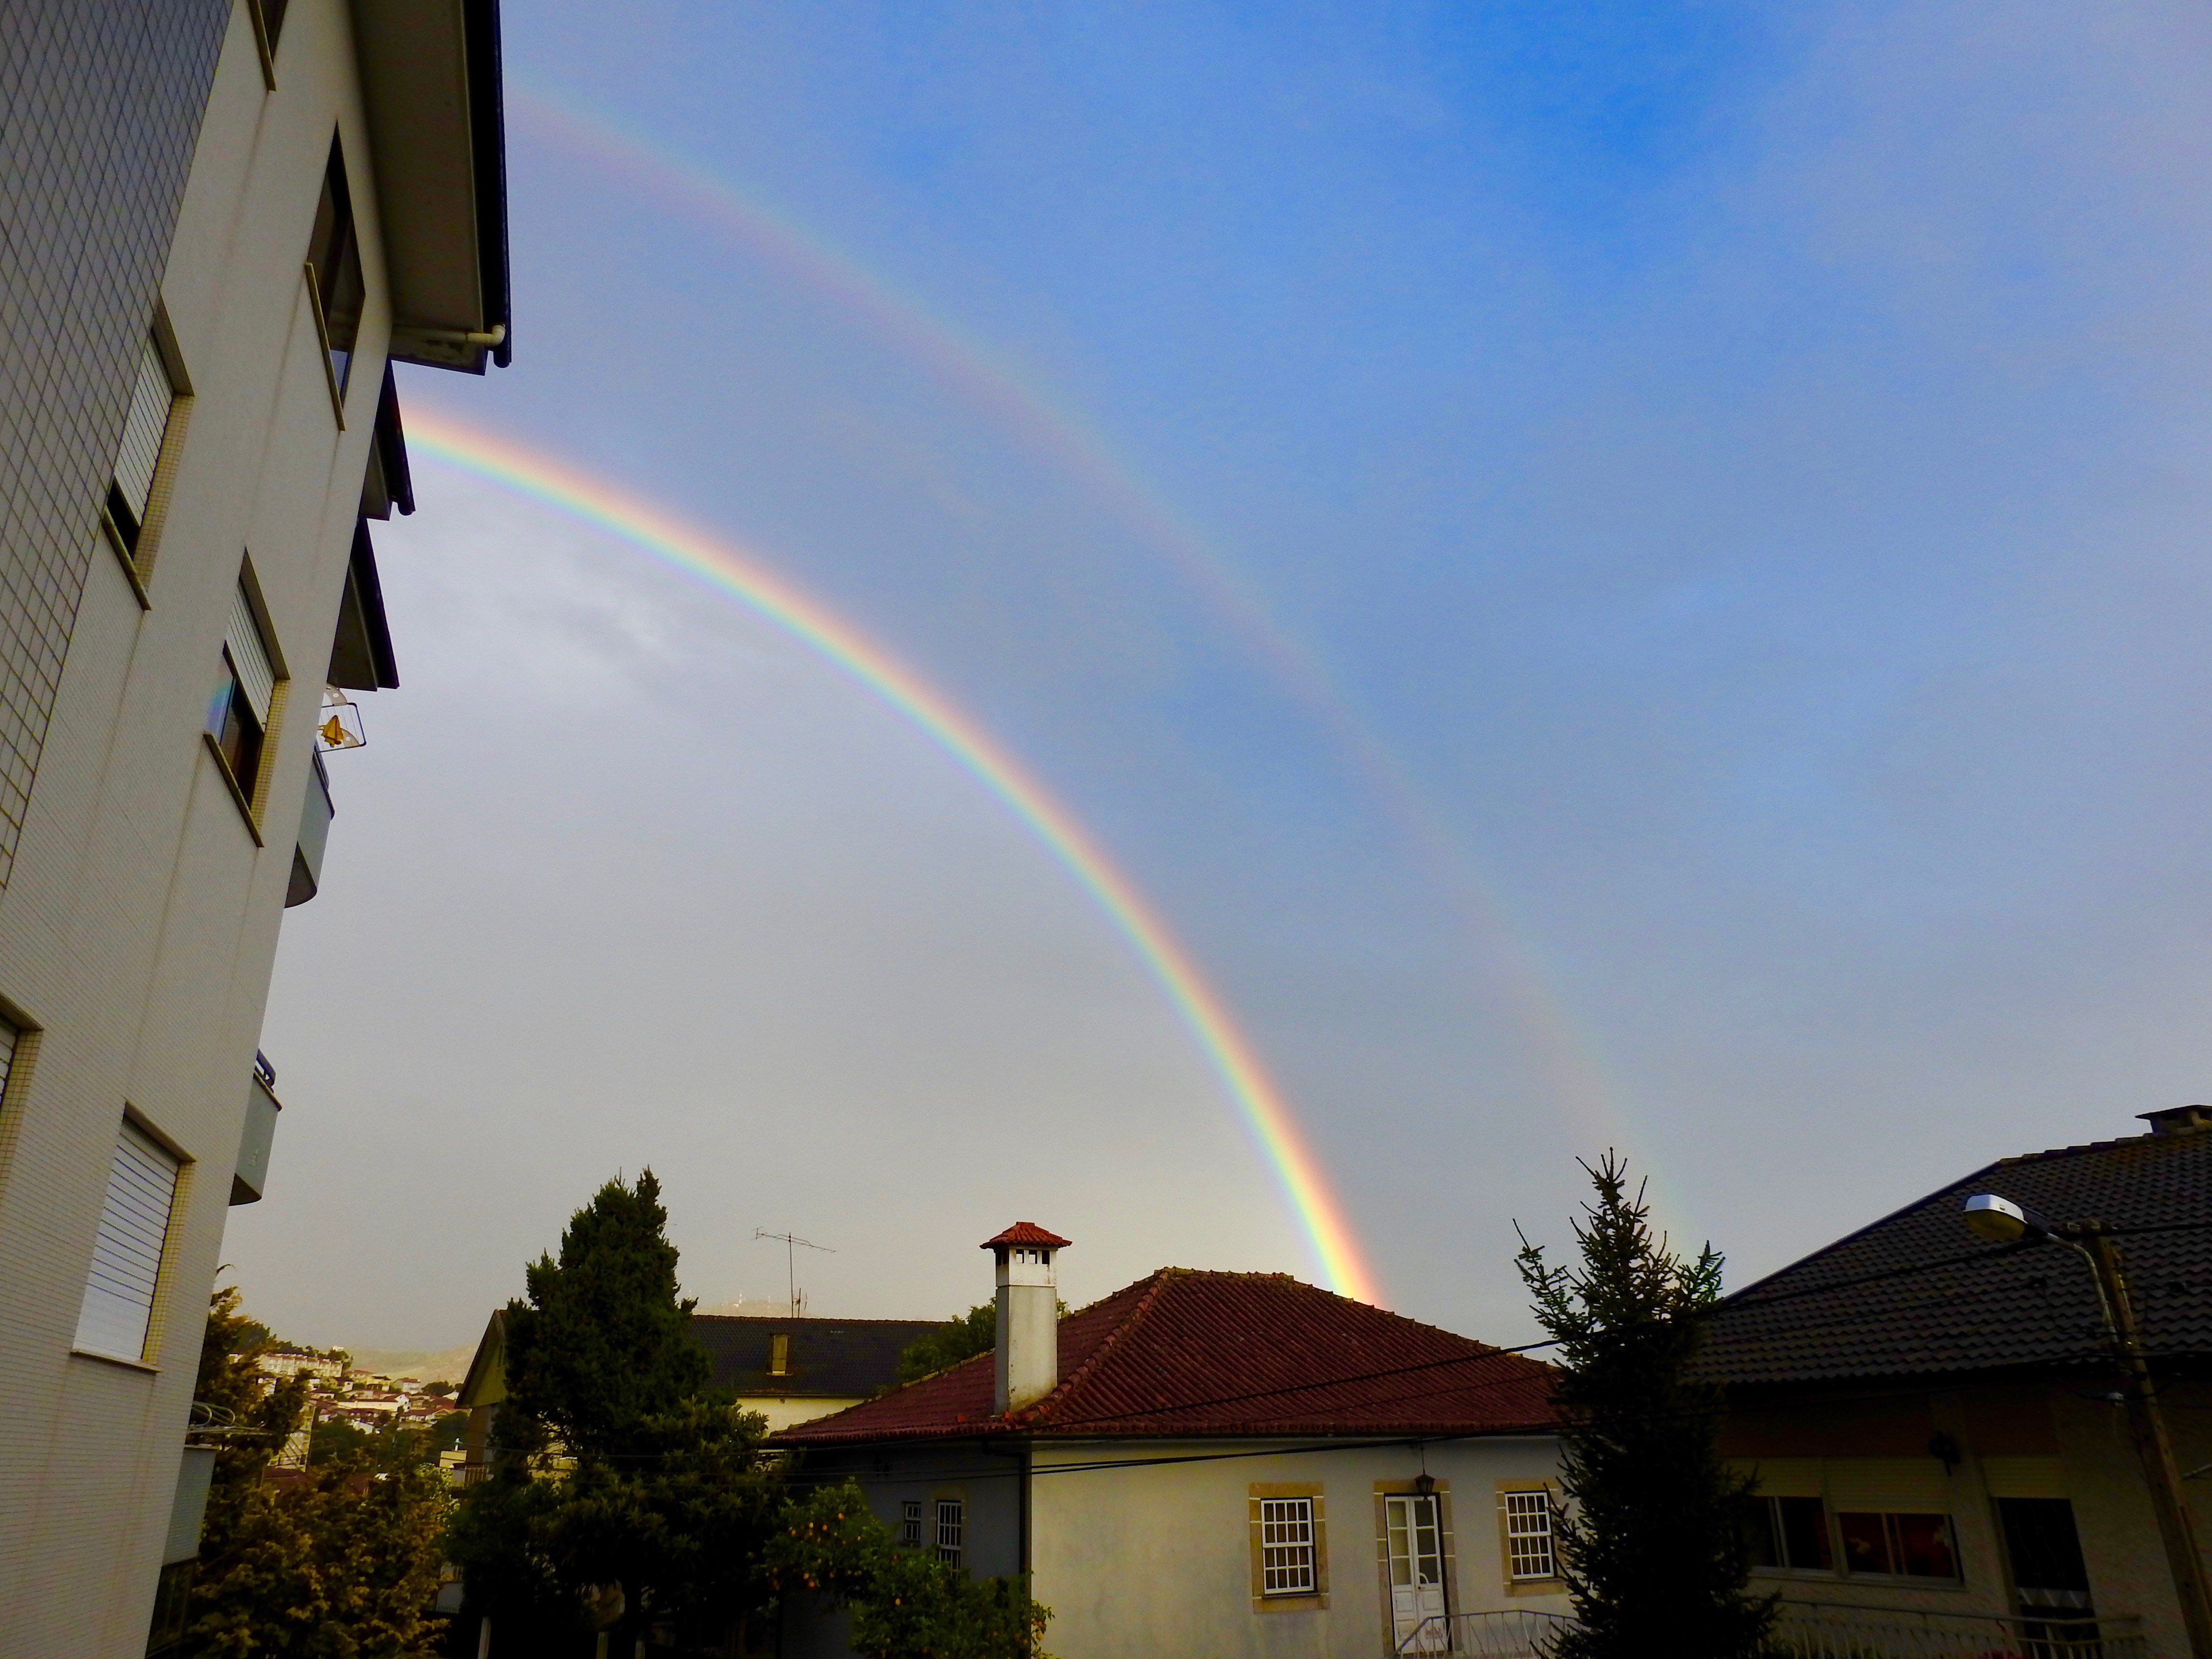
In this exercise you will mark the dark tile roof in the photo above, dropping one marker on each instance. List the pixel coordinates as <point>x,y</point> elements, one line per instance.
<point>2001,1307</point>
<point>836,1358</point>
<point>1180,1352</point>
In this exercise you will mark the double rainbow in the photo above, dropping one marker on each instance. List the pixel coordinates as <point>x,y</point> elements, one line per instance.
<point>725,569</point>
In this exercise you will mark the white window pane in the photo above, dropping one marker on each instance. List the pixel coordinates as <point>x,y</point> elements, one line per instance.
<point>249,656</point>
<point>142,429</point>
<point>126,1258</point>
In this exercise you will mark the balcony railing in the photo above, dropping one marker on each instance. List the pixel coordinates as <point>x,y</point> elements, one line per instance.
<point>1816,1630</point>
<point>1513,1634</point>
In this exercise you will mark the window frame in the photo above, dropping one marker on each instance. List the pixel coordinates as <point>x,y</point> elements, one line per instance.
<point>1768,1508</point>
<point>1533,1583</point>
<point>132,1124</point>
<point>948,1519</point>
<point>133,533</point>
<point>334,240</point>
<point>229,701</point>
<point>1893,1545</point>
<point>910,1521</point>
<point>1259,1496</point>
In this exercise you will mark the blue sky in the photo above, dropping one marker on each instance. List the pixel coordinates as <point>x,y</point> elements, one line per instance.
<point>1746,469</point>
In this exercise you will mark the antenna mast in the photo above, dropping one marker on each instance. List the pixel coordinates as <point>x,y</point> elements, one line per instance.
<point>791,1243</point>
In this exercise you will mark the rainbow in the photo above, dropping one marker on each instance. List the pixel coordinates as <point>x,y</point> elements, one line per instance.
<point>1570,1058</point>
<point>723,567</point>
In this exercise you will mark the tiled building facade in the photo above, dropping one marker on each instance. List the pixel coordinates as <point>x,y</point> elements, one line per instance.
<point>99,109</point>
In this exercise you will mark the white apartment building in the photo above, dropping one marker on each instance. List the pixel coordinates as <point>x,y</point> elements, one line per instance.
<point>219,221</point>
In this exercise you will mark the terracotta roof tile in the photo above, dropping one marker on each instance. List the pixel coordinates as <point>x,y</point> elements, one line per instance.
<point>1026,1232</point>
<point>1182,1353</point>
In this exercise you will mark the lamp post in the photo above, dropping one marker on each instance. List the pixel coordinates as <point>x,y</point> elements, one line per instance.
<point>2002,1221</point>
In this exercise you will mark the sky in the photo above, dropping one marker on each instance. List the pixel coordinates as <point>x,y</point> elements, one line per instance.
<point>1614,576</point>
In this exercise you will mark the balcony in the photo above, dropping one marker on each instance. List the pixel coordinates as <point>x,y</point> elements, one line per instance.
<point>1820,1630</point>
<point>249,1177</point>
<point>316,812</point>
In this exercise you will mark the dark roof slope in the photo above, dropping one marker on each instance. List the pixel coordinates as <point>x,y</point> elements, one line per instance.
<point>1182,1353</point>
<point>830,1358</point>
<point>2006,1306</point>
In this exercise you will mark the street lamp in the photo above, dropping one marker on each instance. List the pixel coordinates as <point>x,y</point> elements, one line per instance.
<point>2002,1221</point>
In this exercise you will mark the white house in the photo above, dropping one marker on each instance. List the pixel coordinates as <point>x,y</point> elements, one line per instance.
<point>1214,1463</point>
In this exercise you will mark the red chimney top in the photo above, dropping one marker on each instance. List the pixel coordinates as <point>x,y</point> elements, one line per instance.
<point>1025,1232</point>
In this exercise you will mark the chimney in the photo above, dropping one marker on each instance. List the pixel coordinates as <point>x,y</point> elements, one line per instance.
<point>1029,1314</point>
<point>2178,1119</point>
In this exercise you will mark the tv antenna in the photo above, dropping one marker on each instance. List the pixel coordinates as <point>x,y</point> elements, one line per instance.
<point>792,1245</point>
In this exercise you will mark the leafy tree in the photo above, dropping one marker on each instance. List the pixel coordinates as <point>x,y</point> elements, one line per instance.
<point>616,1466</point>
<point>1650,1545</point>
<point>338,1563</point>
<point>334,1439</point>
<point>447,1433</point>
<point>974,1332</point>
<point>904,1603</point>
<point>440,1387</point>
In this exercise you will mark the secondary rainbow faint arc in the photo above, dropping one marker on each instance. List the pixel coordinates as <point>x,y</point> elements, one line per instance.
<point>1570,1057</point>
<point>712,559</point>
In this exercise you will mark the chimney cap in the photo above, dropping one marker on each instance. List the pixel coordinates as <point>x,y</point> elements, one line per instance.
<point>1024,1232</point>
<point>2178,1119</point>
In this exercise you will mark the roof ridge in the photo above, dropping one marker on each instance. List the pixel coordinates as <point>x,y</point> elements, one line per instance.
<point>1039,1411</point>
<point>2082,1147</point>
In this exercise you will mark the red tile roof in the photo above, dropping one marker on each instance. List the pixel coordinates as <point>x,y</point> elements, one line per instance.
<point>1182,1353</point>
<point>1025,1232</point>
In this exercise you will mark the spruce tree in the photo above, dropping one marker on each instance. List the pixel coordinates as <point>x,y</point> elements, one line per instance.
<point>1651,1541</point>
<point>618,1467</point>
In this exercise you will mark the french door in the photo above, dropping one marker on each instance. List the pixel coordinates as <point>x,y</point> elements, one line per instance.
<point>1415,1545</point>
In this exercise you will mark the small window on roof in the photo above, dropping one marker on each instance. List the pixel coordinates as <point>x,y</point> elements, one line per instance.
<point>334,264</point>
<point>779,1354</point>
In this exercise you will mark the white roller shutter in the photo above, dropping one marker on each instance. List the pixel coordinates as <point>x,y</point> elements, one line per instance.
<point>8,1039</point>
<point>1781,1477</point>
<point>2025,1477</point>
<point>248,655</point>
<point>142,429</point>
<point>127,1259</point>
<point>1903,1486</point>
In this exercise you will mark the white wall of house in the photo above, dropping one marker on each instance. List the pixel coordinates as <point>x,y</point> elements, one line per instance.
<point>1155,1560</point>
<point>1156,1557</point>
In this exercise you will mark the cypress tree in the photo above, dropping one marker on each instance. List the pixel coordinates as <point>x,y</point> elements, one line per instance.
<point>1650,1541</point>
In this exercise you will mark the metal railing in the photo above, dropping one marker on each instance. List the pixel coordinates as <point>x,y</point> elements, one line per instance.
<point>1516,1633</point>
<point>1823,1630</point>
<point>1830,1630</point>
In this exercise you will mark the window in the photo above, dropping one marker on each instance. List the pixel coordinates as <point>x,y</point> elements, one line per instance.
<point>1788,1531</point>
<point>951,1525</point>
<point>1902,1546</point>
<point>779,1354</point>
<point>1286,1547</point>
<point>910,1521</point>
<point>238,713</point>
<point>1528,1535</point>
<point>126,1257</point>
<point>271,16</point>
<point>334,263</point>
<point>131,491</point>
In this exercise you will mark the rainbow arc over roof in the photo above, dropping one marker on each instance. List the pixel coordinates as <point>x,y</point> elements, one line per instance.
<point>1567,1055</point>
<point>728,569</point>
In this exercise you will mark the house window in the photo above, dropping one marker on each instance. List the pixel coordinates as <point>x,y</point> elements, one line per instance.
<point>1528,1535</point>
<point>246,684</point>
<point>951,1525</point>
<point>1788,1531</point>
<point>334,264</point>
<point>1900,1545</point>
<point>126,1257</point>
<point>779,1354</point>
<point>271,16</point>
<point>131,489</point>
<point>1286,1547</point>
<point>910,1521</point>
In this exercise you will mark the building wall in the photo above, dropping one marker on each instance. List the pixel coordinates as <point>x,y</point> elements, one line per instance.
<point>783,1411</point>
<point>2063,1434</point>
<point>139,921</point>
<point>1156,1559</point>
